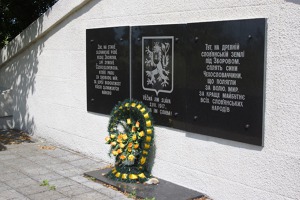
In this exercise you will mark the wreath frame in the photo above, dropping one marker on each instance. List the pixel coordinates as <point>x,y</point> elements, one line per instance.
<point>132,145</point>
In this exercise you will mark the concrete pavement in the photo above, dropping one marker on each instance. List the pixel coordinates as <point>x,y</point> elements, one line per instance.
<point>23,168</point>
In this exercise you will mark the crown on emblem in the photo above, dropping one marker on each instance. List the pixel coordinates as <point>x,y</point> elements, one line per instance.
<point>156,47</point>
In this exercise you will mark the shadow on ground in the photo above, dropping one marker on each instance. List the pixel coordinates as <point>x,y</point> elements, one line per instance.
<point>13,136</point>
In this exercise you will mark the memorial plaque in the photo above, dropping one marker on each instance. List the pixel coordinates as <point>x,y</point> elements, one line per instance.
<point>107,68</point>
<point>225,79</point>
<point>158,71</point>
<point>205,78</point>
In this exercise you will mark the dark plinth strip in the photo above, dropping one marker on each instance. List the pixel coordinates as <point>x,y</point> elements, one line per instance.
<point>163,191</point>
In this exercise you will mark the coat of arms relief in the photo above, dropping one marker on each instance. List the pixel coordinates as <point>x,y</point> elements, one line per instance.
<point>158,64</point>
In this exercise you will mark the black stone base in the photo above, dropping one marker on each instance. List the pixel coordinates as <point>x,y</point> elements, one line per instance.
<point>163,191</point>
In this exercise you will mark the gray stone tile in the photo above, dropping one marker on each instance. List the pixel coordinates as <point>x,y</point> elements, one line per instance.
<point>49,195</point>
<point>94,185</point>
<point>49,176</point>
<point>7,152</point>
<point>12,176</point>
<point>60,166</point>
<point>20,182</point>
<point>59,153</point>
<point>32,189</point>
<point>4,169</point>
<point>4,187</point>
<point>24,167</point>
<point>35,170</point>
<point>71,157</point>
<point>94,166</point>
<point>9,157</point>
<point>20,198</point>
<point>18,162</point>
<point>59,183</point>
<point>39,157</point>
<point>50,162</point>
<point>109,192</point>
<point>70,172</point>
<point>28,150</point>
<point>11,194</point>
<point>74,190</point>
<point>82,162</point>
<point>79,179</point>
<point>91,196</point>
<point>123,197</point>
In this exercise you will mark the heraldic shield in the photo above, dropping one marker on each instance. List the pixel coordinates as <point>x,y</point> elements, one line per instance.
<point>158,62</point>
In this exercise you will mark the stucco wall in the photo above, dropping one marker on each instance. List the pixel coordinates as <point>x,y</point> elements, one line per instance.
<point>45,69</point>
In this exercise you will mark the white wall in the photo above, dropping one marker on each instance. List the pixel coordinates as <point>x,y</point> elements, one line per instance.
<point>45,68</point>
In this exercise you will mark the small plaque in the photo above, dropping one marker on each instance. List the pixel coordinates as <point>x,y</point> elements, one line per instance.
<point>158,71</point>
<point>225,84</point>
<point>107,58</point>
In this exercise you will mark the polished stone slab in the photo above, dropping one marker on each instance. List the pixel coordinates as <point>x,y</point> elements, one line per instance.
<point>163,191</point>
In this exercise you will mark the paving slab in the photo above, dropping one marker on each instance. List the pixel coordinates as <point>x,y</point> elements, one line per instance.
<point>23,167</point>
<point>11,194</point>
<point>49,195</point>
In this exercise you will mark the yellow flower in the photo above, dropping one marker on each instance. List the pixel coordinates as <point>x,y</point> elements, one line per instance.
<point>107,138</point>
<point>119,140</point>
<point>126,104</point>
<point>139,106</point>
<point>129,149</point>
<point>124,176</point>
<point>115,153</point>
<point>113,143</point>
<point>148,138</point>
<point>146,116</point>
<point>122,145</point>
<point>131,157</point>
<point>118,174</point>
<point>136,146</point>
<point>133,129</point>
<point>145,152</point>
<point>137,124</point>
<point>122,157</point>
<point>142,175</point>
<point>133,104</point>
<point>133,176</point>
<point>148,123</point>
<point>114,171</point>
<point>124,136</point>
<point>141,134</point>
<point>120,136</point>
<point>149,131</point>
<point>120,107</point>
<point>112,136</point>
<point>143,110</point>
<point>147,146</point>
<point>134,137</point>
<point>128,121</point>
<point>143,160</point>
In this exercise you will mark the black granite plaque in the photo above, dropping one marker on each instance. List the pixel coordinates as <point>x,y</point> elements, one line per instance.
<point>205,78</point>
<point>158,71</point>
<point>225,79</point>
<point>107,68</point>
